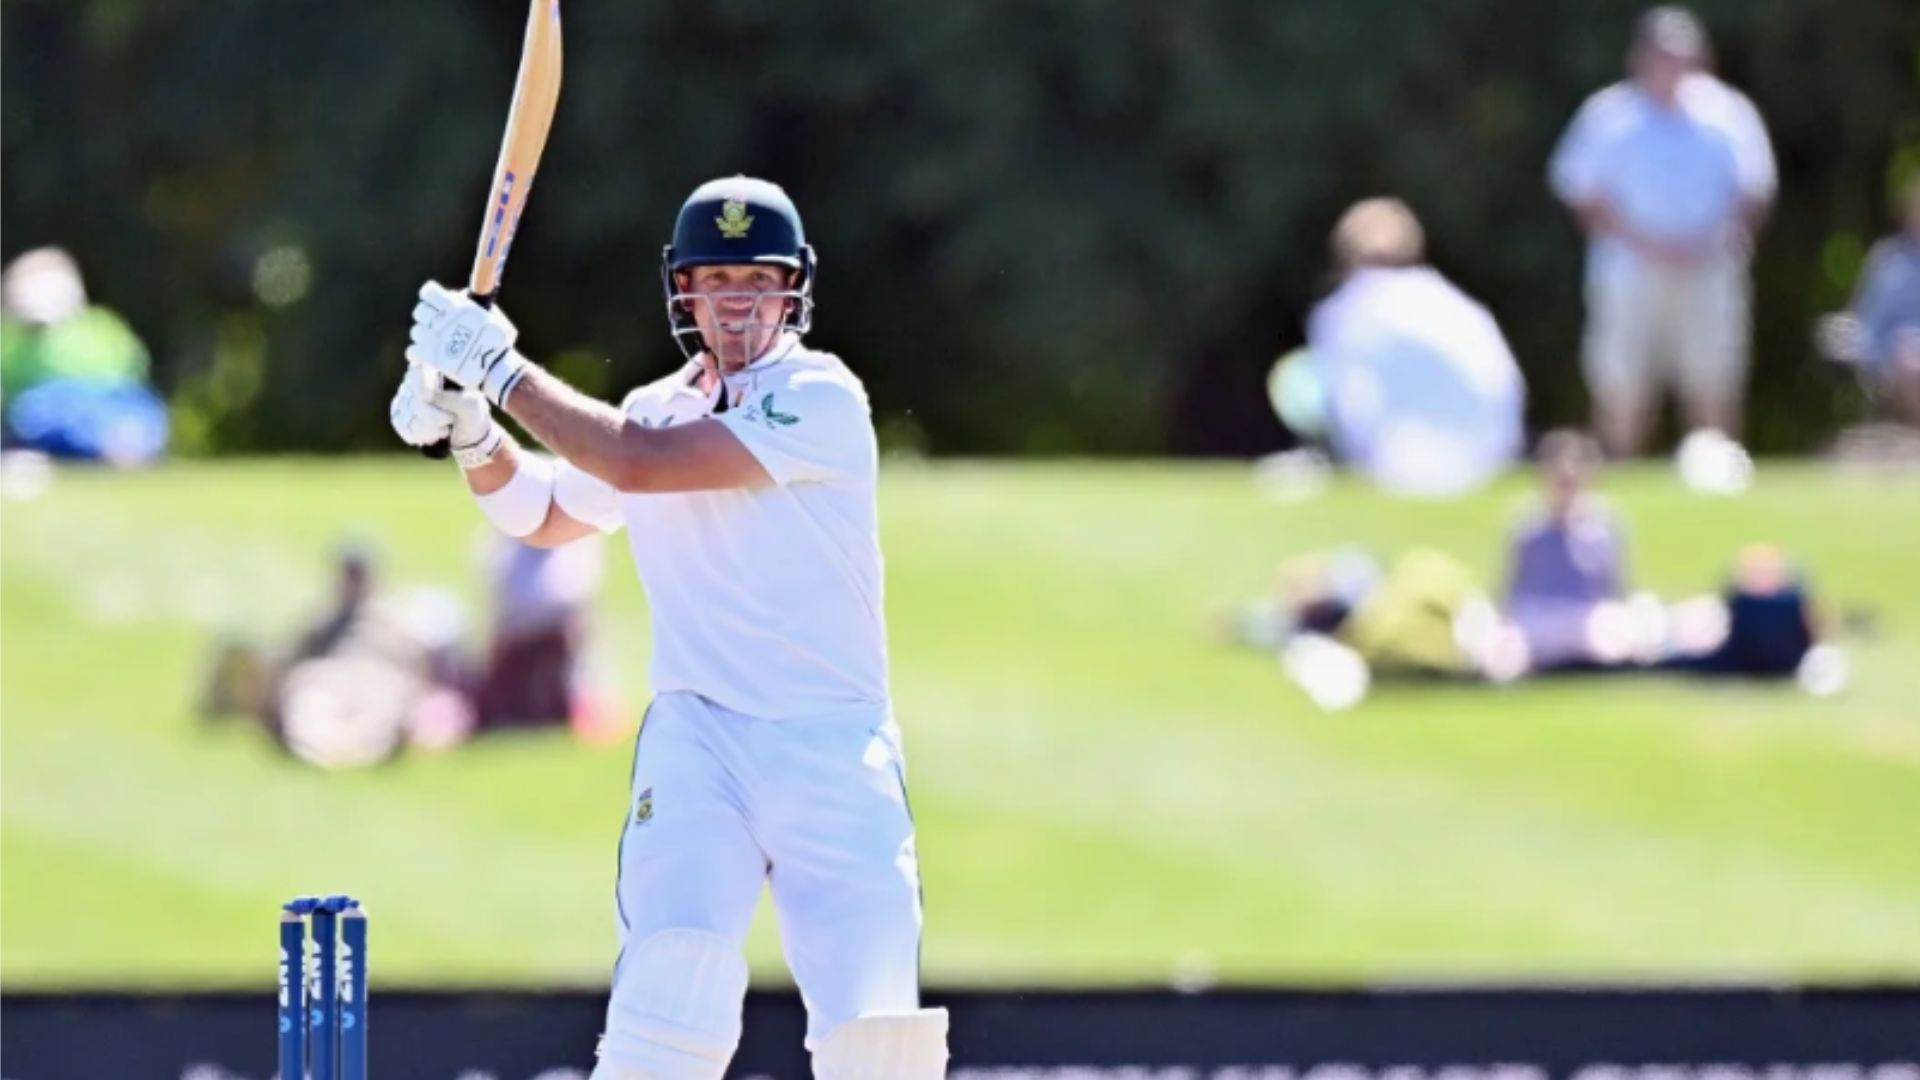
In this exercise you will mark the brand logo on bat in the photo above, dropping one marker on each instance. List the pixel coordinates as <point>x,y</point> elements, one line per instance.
<point>500,213</point>
<point>734,221</point>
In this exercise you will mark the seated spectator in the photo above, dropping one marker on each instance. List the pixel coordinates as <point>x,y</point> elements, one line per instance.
<point>1419,387</point>
<point>1567,563</point>
<point>1880,330</point>
<point>370,676</point>
<point>1337,619</point>
<point>541,595</point>
<point>73,376</point>
<point>1764,625</point>
<point>1427,616</point>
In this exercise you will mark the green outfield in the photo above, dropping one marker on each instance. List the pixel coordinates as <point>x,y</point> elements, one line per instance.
<point>1103,794</point>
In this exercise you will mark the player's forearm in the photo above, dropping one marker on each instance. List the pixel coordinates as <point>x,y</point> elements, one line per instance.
<point>602,442</point>
<point>593,436</point>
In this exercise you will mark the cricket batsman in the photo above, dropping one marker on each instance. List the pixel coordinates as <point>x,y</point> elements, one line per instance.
<point>746,484</point>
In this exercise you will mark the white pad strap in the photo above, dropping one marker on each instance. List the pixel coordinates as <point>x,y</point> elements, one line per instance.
<point>885,1046</point>
<point>520,506</point>
<point>675,1013</point>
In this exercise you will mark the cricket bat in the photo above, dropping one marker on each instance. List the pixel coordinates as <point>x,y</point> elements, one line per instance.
<point>536,93</point>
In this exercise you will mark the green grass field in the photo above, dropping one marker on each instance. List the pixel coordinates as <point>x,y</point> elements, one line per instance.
<point>1103,794</point>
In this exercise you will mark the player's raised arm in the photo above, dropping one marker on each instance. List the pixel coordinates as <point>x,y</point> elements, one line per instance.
<point>471,345</point>
<point>603,442</point>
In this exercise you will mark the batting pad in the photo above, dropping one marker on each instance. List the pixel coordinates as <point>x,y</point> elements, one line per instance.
<point>885,1046</point>
<point>675,1013</point>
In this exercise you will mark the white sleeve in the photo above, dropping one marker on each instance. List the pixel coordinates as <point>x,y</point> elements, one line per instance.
<point>586,498</point>
<point>1574,172</point>
<point>814,427</point>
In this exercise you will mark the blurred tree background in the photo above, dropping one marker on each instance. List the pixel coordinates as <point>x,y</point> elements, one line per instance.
<point>1045,225</point>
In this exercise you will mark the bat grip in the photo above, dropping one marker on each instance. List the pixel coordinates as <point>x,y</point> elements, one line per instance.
<point>440,450</point>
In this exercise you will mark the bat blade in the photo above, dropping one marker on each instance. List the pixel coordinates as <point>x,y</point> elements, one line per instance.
<point>536,95</point>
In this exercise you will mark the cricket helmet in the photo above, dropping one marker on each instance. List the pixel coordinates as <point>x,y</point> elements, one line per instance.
<point>733,221</point>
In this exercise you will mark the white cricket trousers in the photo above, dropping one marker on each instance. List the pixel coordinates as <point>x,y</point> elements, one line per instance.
<point>817,807</point>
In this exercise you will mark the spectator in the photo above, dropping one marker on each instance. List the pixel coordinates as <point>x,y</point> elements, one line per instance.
<point>365,679</point>
<point>1670,173</point>
<point>1764,625</point>
<point>1337,619</point>
<point>73,376</point>
<point>541,595</point>
<point>1420,389</point>
<point>1880,331</point>
<point>1567,564</point>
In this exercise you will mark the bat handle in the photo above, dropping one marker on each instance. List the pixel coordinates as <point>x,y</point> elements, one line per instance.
<point>440,450</point>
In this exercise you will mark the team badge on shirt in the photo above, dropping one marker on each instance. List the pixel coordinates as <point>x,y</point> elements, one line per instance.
<point>643,808</point>
<point>765,413</point>
<point>734,221</point>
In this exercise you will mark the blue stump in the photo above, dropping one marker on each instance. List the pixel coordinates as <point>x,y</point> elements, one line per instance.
<point>293,995</point>
<point>353,993</point>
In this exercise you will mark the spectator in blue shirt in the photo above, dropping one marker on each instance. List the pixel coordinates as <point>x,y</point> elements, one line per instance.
<point>1880,330</point>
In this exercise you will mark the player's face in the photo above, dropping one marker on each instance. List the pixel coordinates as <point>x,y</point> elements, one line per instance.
<point>737,308</point>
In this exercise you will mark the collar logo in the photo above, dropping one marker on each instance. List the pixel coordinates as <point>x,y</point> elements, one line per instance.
<point>734,221</point>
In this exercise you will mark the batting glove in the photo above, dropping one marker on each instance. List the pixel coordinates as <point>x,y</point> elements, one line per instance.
<point>427,410</point>
<point>467,342</point>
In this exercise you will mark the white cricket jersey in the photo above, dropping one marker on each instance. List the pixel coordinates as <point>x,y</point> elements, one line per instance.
<point>1678,172</point>
<point>765,601</point>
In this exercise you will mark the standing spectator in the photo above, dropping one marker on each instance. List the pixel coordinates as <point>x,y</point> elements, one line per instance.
<point>1670,174</point>
<point>1421,391</point>
<point>1880,330</point>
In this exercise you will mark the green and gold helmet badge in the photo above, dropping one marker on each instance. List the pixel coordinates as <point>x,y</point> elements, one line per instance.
<point>734,221</point>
